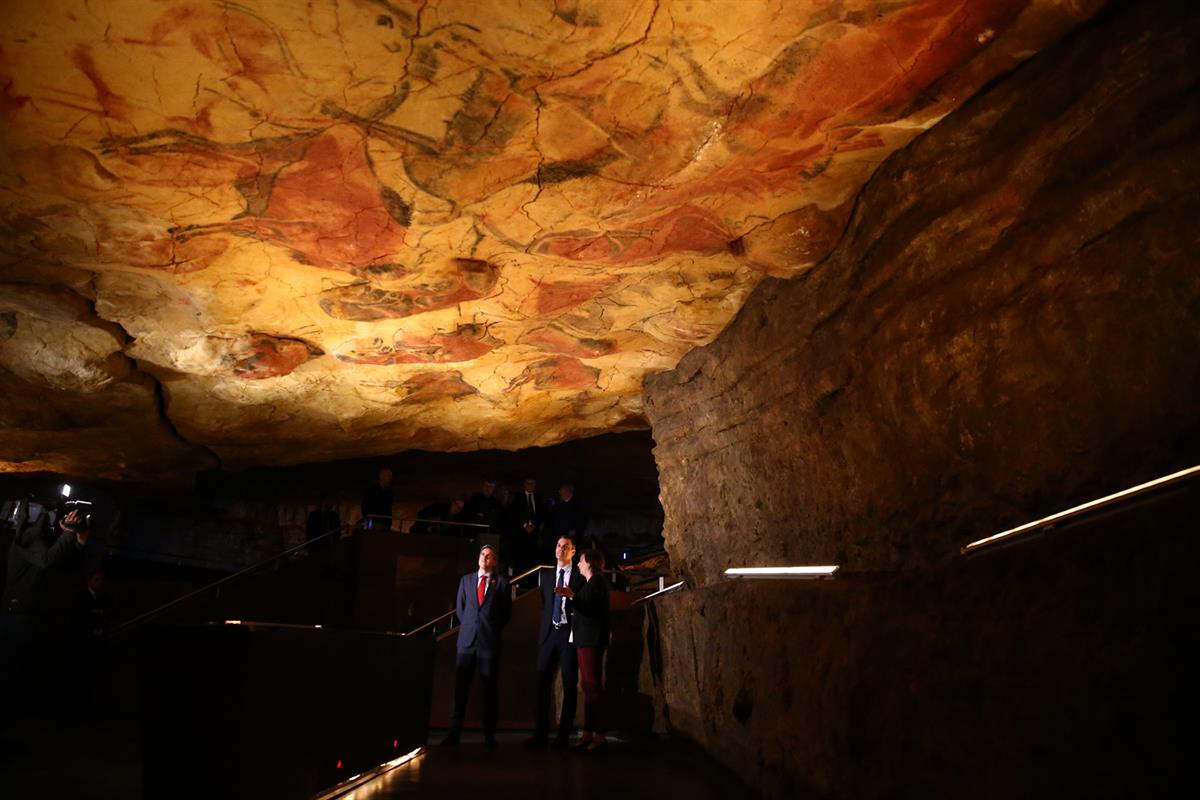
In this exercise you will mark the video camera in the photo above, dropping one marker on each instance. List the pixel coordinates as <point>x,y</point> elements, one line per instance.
<point>34,511</point>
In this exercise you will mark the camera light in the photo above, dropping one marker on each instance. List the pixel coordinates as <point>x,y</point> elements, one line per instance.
<point>65,490</point>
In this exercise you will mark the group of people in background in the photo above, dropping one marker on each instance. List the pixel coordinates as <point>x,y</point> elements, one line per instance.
<point>527,522</point>
<point>574,631</point>
<point>572,637</point>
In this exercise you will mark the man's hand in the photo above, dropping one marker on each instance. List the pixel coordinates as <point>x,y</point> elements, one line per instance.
<point>565,591</point>
<point>75,523</point>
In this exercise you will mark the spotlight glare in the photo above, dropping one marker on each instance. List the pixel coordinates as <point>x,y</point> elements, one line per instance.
<point>65,490</point>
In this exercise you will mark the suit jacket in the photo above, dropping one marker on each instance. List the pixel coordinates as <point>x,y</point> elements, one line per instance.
<point>549,598</point>
<point>480,626</point>
<point>566,516</point>
<point>519,510</point>
<point>589,626</point>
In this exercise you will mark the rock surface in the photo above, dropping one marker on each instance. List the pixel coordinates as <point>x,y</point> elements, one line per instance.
<point>1051,670</point>
<point>73,403</point>
<point>350,228</point>
<point>1009,324</point>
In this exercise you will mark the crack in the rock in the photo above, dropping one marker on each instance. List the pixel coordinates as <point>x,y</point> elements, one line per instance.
<point>611,54</point>
<point>537,133</point>
<point>135,367</point>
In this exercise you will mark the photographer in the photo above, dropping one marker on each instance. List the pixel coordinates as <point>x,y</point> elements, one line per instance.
<point>36,547</point>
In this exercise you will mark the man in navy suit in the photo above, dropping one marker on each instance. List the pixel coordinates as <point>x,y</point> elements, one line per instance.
<point>484,607</point>
<point>555,651</point>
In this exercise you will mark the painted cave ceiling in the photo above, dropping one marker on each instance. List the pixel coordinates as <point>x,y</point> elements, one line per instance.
<point>272,232</point>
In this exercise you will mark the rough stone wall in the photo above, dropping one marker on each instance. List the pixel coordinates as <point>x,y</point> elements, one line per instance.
<point>1008,325</point>
<point>1059,669</point>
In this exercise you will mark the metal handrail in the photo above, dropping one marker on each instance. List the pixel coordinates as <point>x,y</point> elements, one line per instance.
<point>513,581</point>
<point>434,521</point>
<point>138,620</point>
<point>130,624</point>
<point>166,557</point>
<point>675,587</point>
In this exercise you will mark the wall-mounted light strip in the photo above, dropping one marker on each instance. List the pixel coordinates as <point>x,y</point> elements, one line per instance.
<point>674,587</point>
<point>789,573</point>
<point>370,775</point>
<point>1032,528</point>
<point>272,625</point>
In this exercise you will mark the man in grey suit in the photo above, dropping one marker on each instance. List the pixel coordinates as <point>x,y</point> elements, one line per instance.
<point>484,607</point>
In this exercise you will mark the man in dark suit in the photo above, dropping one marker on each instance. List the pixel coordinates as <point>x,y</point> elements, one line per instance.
<point>527,511</point>
<point>568,516</point>
<point>555,653</point>
<point>484,607</point>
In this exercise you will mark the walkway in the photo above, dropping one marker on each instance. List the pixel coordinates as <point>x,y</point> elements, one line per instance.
<point>653,769</point>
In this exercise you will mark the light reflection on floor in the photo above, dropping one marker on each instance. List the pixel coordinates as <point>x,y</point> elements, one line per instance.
<point>649,768</point>
<point>407,773</point>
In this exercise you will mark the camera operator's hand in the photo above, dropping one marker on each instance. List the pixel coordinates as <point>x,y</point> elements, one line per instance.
<point>77,524</point>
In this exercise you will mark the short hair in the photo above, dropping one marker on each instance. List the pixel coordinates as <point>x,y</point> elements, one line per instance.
<point>489,547</point>
<point>595,558</point>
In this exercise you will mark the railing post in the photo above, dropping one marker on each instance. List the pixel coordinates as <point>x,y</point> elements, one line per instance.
<point>662,582</point>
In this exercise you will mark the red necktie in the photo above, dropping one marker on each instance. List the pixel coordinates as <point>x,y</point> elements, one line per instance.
<point>482,586</point>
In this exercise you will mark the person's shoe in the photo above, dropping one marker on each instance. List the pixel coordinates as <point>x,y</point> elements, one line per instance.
<point>596,747</point>
<point>581,745</point>
<point>536,742</point>
<point>451,739</point>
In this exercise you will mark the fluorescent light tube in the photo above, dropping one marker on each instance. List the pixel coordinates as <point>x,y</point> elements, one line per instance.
<point>794,573</point>
<point>1004,536</point>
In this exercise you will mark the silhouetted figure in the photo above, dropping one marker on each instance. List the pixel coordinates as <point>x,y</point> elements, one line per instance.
<point>377,502</point>
<point>91,614</point>
<point>38,545</point>
<point>525,529</point>
<point>568,516</point>
<point>320,522</point>
<point>485,508</point>
<point>439,519</point>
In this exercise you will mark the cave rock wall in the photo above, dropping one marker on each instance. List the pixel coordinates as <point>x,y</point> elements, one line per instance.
<point>1008,325</point>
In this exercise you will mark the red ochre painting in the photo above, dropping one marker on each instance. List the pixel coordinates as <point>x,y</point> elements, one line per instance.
<point>297,208</point>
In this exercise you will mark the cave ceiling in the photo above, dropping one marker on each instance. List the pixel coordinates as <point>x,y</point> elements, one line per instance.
<point>272,232</point>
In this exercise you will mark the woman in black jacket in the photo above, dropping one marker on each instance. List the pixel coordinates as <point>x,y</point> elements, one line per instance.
<point>589,634</point>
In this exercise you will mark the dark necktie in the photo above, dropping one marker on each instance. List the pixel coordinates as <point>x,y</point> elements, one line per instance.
<point>482,587</point>
<point>558,600</point>
<point>529,503</point>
